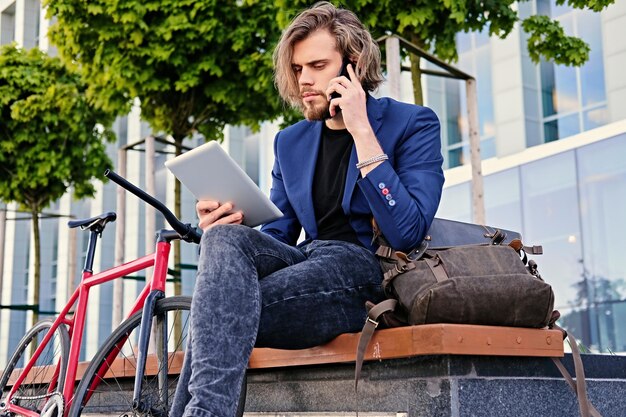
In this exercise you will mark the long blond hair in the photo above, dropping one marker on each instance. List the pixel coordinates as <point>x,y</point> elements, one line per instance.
<point>353,41</point>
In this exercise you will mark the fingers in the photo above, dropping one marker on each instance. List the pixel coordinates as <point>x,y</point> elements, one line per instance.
<point>337,85</point>
<point>353,77</point>
<point>234,218</point>
<point>332,108</point>
<point>206,206</point>
<point>335,103</point>
<point>346,88</point>
<point>211,213</point>
<point>347,82</point>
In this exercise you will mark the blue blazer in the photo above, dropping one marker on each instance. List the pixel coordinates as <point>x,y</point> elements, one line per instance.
<point>402,193</point>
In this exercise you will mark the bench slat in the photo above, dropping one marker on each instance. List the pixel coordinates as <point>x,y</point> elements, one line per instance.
<point>429,339</point>
<point>400,342</point>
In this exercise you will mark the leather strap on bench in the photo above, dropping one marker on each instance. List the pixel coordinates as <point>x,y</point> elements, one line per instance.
<point>579,386</point>
<point>371,322</point>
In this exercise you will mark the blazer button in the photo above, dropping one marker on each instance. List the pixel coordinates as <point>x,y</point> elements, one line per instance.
<point>392,203</point>
<point>381,185</point>
<point>385,191</point>
<point>388,197</point>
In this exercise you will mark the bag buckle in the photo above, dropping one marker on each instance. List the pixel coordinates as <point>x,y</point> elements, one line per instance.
<point>497,237</point>
<point>418,252</point>
<point>371,320</point>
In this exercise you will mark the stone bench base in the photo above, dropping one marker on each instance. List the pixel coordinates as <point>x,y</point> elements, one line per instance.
<point>431,370</point>
<point>438,385</point>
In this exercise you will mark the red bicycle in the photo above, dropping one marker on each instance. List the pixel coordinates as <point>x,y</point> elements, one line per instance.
<point>154,333</point>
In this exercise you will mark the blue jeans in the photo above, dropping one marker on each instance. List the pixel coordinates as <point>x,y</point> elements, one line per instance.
<point>252,290</point>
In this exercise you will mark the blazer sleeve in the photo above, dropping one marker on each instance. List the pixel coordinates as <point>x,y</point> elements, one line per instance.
<point>287,228</point>
<point>404,192</point>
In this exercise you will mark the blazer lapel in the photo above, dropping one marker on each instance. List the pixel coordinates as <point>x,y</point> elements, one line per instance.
<point>301,170</point>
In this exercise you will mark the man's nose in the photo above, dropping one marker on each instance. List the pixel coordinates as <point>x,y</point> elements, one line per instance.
<point>306,77</point>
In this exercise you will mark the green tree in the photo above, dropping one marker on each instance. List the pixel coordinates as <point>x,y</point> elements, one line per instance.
<point>51,137</point>
<point>194,65</point>
<point>433,25</point>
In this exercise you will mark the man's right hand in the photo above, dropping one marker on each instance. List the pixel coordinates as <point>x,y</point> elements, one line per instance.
<point>211,213</point>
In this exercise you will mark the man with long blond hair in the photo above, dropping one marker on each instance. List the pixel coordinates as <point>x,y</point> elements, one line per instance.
<point>354,158</point>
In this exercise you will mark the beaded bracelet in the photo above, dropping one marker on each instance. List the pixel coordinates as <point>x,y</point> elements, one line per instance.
<point>372,160</point>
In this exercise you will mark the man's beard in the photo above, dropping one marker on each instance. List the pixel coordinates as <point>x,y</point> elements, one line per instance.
<point>317,112</point>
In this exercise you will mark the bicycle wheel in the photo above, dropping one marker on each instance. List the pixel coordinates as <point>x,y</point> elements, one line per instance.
<point>113,394</point>
<point>44,379</point>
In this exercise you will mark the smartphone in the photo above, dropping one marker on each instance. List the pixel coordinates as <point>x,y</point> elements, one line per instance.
<point>343,71</point>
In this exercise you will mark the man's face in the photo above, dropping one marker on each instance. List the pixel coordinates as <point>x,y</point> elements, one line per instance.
<point>315,62</point>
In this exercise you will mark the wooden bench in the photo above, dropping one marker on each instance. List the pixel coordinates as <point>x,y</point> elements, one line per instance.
<point>417,370</point>
<point>401,342</point>
<point>429,339</point>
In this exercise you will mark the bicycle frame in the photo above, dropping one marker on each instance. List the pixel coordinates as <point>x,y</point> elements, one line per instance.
<point>76,320</point>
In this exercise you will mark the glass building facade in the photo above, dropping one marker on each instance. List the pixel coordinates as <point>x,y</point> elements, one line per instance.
<point>573,98</point>
<point>448,98</point>
<point>558,101</point>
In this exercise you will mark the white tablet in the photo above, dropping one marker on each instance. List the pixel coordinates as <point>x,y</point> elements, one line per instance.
<point>211,174</point>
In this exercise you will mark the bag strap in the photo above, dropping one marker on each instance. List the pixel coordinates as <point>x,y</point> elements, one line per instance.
<point>579,385</point>
<point>371,322</point>
<point>436,268</point>
<point>402,263</point>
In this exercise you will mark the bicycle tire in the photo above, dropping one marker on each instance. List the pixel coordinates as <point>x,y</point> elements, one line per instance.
<point>120,402</point>
<point>34,392</point>
<point>114,393</point>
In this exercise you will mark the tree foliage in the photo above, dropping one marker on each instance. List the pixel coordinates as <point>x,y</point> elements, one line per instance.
<point>51,137</point>
<point>195,65</point>
<point>548,39</point>
<point>433,25</point>
<point>199,65</point>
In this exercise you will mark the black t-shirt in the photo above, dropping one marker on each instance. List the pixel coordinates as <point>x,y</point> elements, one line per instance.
<point>328,186</point>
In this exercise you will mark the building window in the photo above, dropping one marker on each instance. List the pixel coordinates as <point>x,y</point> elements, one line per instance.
<point>32,11</point>
<point>573,99</point>
<point>243,147</point>
<point>602,287</point>
<point>449,100</point>
<point>456,203</point>
<point>502,202</point>
<point>442,96</point>
<point>7,25</point>
<point>549,203</point>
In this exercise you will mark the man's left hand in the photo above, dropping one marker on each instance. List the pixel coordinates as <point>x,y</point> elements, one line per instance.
<point>352,102</point>
<point>354,114</point>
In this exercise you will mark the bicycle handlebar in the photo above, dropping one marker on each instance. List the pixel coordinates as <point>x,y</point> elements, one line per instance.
<point>186,231</point>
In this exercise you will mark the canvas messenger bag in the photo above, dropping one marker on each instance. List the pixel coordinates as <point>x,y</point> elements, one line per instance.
<point>466,274</point>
